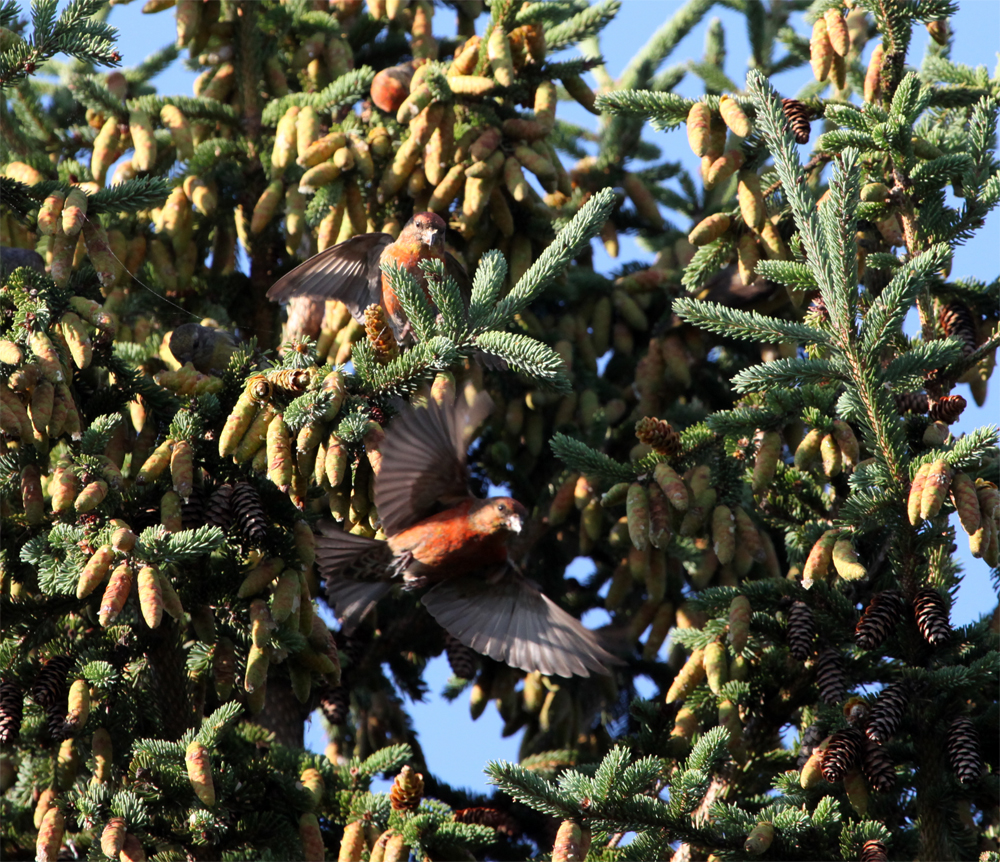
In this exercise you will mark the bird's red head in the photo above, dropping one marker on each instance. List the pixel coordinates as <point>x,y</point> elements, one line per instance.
<point>427,228</point>
<point>499,514</point>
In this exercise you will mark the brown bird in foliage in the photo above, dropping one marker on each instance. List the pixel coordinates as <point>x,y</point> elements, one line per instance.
<point>442,537</point>
<point>351,271</point>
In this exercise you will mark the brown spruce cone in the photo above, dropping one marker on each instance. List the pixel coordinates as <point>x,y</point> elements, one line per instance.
<point>407,790</point>
<point>50,689</point>
<point>801,630</point>
<point>219,509</point>
<point>874,851</point>
<point>248,513</point>
<point>145,517</point>
<point>878,619</point>
<point>193,511</point>
<point>948,408</point>
<point>830,678</point>
<point>461,658</point>
<point>956,320</point>
<point>811,737</point>
<point>963,750</point>
<point>657,434</point>
<point>380,334</point>
<point>911,402</point>
<point>11,709</point>
<point>798,116</point>
<point>336,705</point>
<point>878,767</point>
<point>842,752</point>
<point>817,309</point>
<point>887,713</point>
<point>493,817</point>
<point>932,617</point>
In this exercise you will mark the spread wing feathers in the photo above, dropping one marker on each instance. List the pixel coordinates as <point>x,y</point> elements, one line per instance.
<point>347,271</point>
<point>423,460</point>
<point>356,570</point>
<point>352,600</point>
<point>515,623</point>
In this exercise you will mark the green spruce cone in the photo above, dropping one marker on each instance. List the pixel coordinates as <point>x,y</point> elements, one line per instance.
<point>931,614</point>
<point>878,619</point>
<point>963,750</point>
<point>887,713</point>
<point>801,630</point>
<point>878,767</point>
<point>843,751</point>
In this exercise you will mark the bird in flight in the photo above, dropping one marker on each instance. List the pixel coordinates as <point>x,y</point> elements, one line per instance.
<point>351,271</point>
<point>442,538</point>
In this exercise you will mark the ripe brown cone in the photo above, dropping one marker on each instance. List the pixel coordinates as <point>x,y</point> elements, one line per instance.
<point>11,709</point>
<point>931,614</point>
<point>461,659</point>
<point>842,752</point>
<point>887,713</point>
<point>249,513</point>
<point>493,817</point>
<point>407,790</point>
<point>830,678</point>
<point>911,402</point>
<point>878,768</point>
<point>798,116</point>
<point>658,434</point>
<point>963,750</point>
<point>948,408</point>
<point>956,320</point>
<point>336,705</point>
<point>801,630</point>
<point>219,510</point>
<point>874,851</point>
<point>878,619</point>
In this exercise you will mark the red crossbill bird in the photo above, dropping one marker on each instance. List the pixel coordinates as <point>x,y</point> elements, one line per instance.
<point>351,271</point>
<point>442,537</point>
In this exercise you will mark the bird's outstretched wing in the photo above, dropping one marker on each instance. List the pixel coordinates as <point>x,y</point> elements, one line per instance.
<point>348,271</point>
<point>356,571</point>
<point>423,461</point>
<point>512,621</point>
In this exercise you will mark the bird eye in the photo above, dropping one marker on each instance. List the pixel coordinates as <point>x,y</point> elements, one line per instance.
<point>501,507</point>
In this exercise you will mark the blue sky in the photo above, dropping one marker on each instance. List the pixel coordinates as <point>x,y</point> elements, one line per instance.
<point>455,747</point>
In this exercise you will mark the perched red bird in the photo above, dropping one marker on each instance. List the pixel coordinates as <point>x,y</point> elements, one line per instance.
<point>351,271</point>
<point>442,537</point>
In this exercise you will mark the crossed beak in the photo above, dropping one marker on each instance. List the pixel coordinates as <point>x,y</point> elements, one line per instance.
<point>514,522</point>
<point>432,236</point>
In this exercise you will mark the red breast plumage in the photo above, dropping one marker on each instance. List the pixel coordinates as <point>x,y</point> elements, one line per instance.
<point>440,536</point>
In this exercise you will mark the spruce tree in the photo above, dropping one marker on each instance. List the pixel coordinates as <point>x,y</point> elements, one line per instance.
<point>740,437</point>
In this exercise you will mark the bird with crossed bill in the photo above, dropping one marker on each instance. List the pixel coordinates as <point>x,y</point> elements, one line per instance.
<point>351,271</point>
<point>442,538</point>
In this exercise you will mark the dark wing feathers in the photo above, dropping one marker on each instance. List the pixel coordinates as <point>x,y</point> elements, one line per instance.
<point>423,461</point>
<point>356,570</point>
<point>513,622</point>
<point>348,271</point>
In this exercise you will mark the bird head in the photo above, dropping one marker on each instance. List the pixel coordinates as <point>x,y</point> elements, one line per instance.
<point>429,228</point>
<point>500,514</point>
